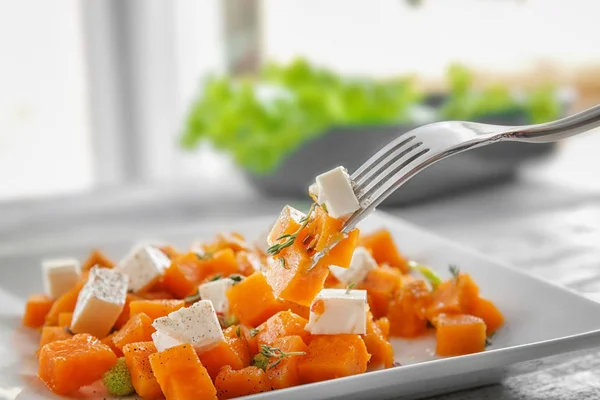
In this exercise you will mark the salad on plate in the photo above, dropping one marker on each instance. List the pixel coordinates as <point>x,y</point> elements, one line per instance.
<point>231,318</point>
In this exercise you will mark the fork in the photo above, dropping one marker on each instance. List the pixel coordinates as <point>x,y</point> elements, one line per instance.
<point>419,148</point>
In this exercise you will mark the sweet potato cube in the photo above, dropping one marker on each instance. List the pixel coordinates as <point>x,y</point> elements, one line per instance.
<point>407,311</point>
<point>65,303</point>
<point>138,363</point>
<point>285,373</point>
<point>459,334</point>
<point>36,309</point>
<point>125,314</point>
<point>381,285</point>
<point>52,334</point>
<point>181,375</point>
<point>284,323</point>
<point>67,365</point>
<point>186,272</point>
<point>454,296</point>
<point>384,250</point>
<point>97,257</point>
<point>64,318</point>
<point>233,352</point>
<point>333,356</point>
<point>108,340</point>
<point>382,352</point>
<point>137,329</point>
<point>252,300</point>
<point>155,308</point>
<point>244,382</point>
<point>489,313</point>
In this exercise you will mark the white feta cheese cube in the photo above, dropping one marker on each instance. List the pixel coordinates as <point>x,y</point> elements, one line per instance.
<point>162,341</point>
<point>362,262</point>
<point>216,293</point>
<point>335,190</point>
<point>100,302</point>
<point>338,311</point>
<point>286,214</point>
<point>197,325</point>
<point>143,266</point>
<point>60,275</point>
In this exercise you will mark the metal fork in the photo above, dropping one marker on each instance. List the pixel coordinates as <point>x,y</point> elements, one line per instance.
<point>415,150</point>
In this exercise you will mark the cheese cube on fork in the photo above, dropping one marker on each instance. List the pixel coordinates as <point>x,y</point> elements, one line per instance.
<point>335,190</point>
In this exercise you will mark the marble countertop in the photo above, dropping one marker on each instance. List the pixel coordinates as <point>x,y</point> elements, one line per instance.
<point>544,222</point>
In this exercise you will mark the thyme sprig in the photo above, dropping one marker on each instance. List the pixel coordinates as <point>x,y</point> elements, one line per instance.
<point>350,287</point>
<point>275,352</point>
<point>290,238</point>
<point>454,271</point>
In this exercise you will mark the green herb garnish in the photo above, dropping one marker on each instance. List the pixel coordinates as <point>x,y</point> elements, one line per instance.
<point>350,287</point>
<point>275,352</point>
<point>433,279</point>
<point>216,277</point>
<point>230,320</point>
<point>254,332</point>
<point>260,361</point>
<point>283,264</point>
<point>238,331</point>
<point>291,237</point>
<point>192,298</point>
<point>454,271</point>
<point>205,256</point>
<point>236,278</point>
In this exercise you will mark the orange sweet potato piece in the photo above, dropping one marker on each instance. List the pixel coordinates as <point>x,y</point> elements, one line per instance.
<point>381,285</point>
<point>52,334</point>
<point>382,352</point>
<point>156,295</point>
<point>36,309</point>
<point>96,257</point>
<point>406,312</point>
<point>383,324</point>
<point>233,241</point>
<point>284,323</point>
<point>124,316</point>
<point>459,334</point>
<point>64,319</point>
<point>181,375</point>
<point>108,340</point>
<point>250,336</point>
<point>292,274</point>
<point>244,382</point>
<point>137,329</point>
<point>333,356</point>
<point>285,373</point>
<point>233,352</point>
<point>489,313</point>
<point>187,271</point>
<point>384,250</point>
<point>297,309</point>
<point>142,377</point>
<point>65,303</point>
<point>67,365</point>
<point>454,296</point>
<point>155,308</point>
<point>252,300</point>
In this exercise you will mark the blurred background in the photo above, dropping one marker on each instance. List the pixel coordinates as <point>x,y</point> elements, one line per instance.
<point>103,94</point>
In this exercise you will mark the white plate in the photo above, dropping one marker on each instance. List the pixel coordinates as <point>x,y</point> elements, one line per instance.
<point>542,319</point>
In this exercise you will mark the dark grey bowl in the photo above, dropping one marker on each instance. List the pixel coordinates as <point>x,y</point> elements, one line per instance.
<point>350,146</point>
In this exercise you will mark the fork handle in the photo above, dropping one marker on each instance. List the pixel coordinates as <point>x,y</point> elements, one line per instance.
<point>557,130</point>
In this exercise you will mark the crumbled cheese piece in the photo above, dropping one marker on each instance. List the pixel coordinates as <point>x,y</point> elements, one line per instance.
<point>216,292</point>
<point>197,325</point>
<point>334,189</point>
<point>60,275</point>
<point>338,311</point>
<point>100,302</point>
<point>362,262</point>
<point>144,266</point>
